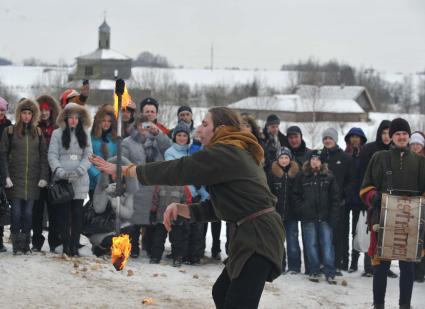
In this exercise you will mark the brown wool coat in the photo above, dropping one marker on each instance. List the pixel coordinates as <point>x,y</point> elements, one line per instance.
<point>238,188</point>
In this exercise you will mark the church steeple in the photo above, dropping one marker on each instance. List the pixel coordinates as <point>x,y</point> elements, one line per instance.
<point>104,35</point>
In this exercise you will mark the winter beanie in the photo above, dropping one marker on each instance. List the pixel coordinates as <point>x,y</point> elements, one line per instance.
<point>330,132</point>
<point>294,130</point>
<point>184,109</point>
<point>417,138</point>
<point>284,151</point>
<point>399,124</point>
<point>149,101</point>
<point>3,104</point>
<point>272,119</point>
<point>316,154</point>
<point>181,127</point>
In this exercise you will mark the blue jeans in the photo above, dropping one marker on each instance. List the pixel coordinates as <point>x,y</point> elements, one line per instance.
<point>293,247</point>
<point>21,216</point>
<point>319,234</point>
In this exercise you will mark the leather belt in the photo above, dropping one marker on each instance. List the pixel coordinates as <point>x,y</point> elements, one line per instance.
<point>255,215</point>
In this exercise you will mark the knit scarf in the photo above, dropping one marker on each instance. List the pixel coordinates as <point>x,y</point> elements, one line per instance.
<point>228,135</point>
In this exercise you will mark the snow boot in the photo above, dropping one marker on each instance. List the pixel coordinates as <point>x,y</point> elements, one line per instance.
<point>177,262</point>
<point>391,274</point>
<point>314,278</point>
<point>18,243</point>
<point>331,280</point>
<point>2,247</point>
<point>26,245</point>
<point>354,261</point>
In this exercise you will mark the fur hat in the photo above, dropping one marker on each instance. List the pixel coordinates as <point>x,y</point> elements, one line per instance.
<point>74,108</point>
<point>3,104</point>
<point>29,105</point>
<point>284,151</point>
<point>181,127</point>
<point>149,101</point>
<point>272,119</point>
<point>330,132</point>
<point>48,101</point>
<point>399,124</point>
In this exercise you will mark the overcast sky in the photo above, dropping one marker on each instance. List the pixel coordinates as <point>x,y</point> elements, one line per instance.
<point>386,34</point>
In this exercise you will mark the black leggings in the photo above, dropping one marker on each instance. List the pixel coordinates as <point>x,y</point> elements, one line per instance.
<point>70,223</point>
<point>245,291</point>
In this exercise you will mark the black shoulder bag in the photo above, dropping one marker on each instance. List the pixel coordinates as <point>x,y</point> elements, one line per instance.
<point>59,191</point>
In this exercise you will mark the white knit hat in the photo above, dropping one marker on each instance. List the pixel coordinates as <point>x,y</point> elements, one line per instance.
<point>417,138</point>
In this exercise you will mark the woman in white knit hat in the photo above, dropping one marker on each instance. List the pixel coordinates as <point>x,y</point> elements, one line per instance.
<point>417,143</point>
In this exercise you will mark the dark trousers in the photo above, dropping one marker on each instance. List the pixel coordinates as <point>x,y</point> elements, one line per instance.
<point>340,232</point>
<point>195,241</point>
<point>179,238</point>
<point>38,220</point>
<point>70,222</point>
<point>134,238</point>
<point>420,270</point>
<point>21,216</point>
<point>230,232</point>
<point>215,231</point>
<point>407,277</point>
<point>159,237</point>
<point>147,238</point>
<point>245,291</point>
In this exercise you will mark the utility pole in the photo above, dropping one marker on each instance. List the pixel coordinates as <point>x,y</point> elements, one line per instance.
<point>212,57</point>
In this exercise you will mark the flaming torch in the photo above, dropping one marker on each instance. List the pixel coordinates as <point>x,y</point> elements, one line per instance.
<point>121,245</point>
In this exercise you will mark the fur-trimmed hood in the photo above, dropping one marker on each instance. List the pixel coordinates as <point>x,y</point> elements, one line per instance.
<point>72,108</point>
<point>54,106</point>
<point>32,106</point>
<point>307,170</point>
<point>278,171</point>
<point>97,122</point>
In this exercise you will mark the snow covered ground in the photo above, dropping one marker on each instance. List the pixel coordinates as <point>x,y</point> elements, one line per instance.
<point>46,280</point>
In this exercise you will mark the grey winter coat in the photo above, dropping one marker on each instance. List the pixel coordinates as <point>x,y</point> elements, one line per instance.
<point>75,158</point>
<point>101,199</point>
<point>140,151</point>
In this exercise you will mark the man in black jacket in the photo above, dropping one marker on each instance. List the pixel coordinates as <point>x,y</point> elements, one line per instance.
<point>316,200</point>
<point>341,166</point>
<point>297,145</point>
<point>273,140</point>
<point>382,142</point>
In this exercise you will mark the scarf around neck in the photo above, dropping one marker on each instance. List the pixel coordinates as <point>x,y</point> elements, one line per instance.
<point>228,135</point>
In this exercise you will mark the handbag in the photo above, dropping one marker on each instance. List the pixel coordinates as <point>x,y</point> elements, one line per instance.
<point>59,191</point>
<point>361,240</point>
<point>4,209</point>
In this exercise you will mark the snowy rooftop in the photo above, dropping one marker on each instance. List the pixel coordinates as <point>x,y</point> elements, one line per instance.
<point>104,54</point>
<point>294,103</point>
<point>331,92</point>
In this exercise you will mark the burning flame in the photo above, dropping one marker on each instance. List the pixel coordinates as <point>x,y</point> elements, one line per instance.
<point>120,250</point>
<point>126,101</point>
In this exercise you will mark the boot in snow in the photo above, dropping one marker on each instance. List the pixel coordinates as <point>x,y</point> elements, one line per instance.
<point>26,245</point>
<point>331,280</point>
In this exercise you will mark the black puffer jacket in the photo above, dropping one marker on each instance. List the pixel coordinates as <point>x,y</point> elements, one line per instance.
<point>316,195</point>
<point>341,166</point>
<point>370,148</point>
<point>281,182</point>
